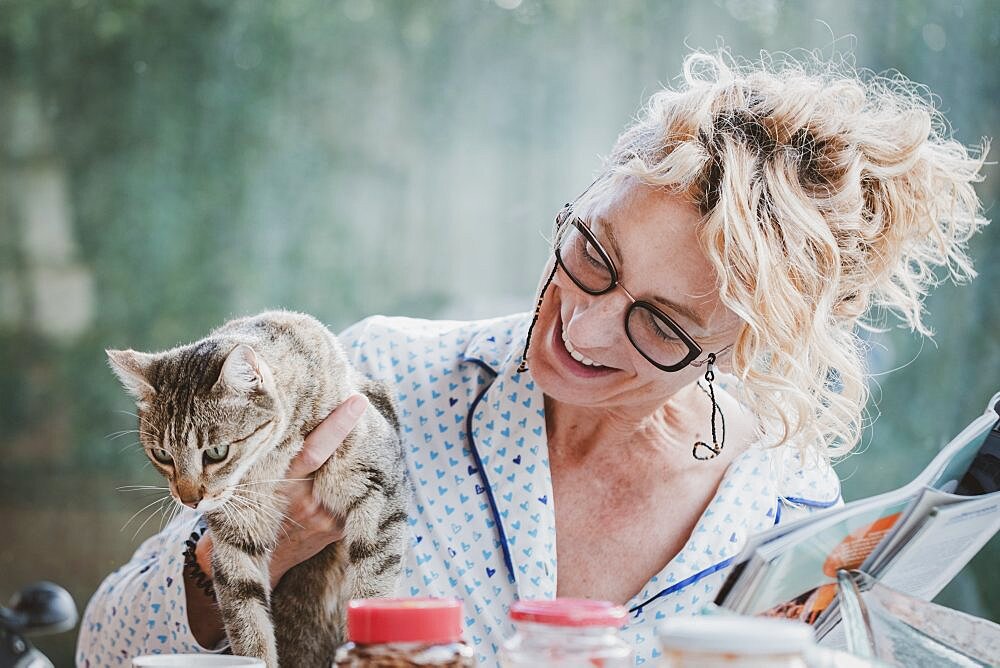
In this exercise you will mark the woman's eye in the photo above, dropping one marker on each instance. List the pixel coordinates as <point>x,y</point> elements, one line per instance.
<point>665,334</point>
<point>162,456</point>
<point>589,253</point>
<point>217,453</point>
<point>659,329</point>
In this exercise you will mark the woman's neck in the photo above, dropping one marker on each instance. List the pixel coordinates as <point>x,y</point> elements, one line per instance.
<point>660,438</point>
<point>577,433</point>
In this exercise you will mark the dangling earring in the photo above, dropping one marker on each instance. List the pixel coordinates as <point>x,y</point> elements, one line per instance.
<point>701,449</point>
<point>523,366</point>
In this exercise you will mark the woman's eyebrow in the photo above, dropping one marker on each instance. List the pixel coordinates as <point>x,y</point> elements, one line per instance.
<point>681,309</point>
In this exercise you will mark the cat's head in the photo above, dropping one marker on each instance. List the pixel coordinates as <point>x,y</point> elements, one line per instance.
<point>207,412</point>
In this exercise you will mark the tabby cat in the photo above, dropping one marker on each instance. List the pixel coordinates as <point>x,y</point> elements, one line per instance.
<point>221,419</point>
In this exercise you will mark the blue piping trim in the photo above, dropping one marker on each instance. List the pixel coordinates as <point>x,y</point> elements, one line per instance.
<point>482,473</point>
<point>677,586</point>
<point>812,503</point>
<point>777,512</point>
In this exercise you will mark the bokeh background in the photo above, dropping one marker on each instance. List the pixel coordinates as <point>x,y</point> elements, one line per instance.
<point>166,165</point>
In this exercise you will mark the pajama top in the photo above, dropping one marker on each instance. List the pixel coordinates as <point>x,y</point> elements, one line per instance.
<point>482,523</point>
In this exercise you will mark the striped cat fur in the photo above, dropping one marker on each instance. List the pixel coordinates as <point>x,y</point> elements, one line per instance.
<point>221,419</point>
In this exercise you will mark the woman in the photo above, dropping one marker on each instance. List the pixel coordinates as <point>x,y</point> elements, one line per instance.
<point>593,448</point>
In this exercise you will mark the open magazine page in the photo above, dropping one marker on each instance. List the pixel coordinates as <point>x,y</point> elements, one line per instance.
<point>791,571</point>
<point>941,543</point>
<point>796,568</point>
<point>945,471</point>
<point>906,528</point>
<point>949,537</point>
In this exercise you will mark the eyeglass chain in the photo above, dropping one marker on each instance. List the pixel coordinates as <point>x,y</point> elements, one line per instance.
<point>716,448</point>
<point>523,366</point>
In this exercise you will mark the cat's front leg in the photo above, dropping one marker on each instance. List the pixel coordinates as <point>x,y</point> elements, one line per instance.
<point>242,586</point>
<point>375,557</point>
<point>367,486</point>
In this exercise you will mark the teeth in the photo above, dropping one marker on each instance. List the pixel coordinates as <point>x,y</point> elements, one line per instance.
<point>575,355</point>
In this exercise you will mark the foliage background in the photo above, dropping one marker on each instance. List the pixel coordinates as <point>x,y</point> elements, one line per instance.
<point>167,165</point>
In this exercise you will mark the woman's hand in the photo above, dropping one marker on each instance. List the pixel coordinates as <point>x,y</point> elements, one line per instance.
<point>308,527</point>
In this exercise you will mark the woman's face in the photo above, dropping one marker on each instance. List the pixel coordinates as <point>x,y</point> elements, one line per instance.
<point>651,238</point>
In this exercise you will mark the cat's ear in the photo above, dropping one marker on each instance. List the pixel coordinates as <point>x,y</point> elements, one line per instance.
<point>244,370</point>
<point>132,369</point>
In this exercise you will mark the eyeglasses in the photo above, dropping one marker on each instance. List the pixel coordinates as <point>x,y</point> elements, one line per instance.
<point>654,334</point>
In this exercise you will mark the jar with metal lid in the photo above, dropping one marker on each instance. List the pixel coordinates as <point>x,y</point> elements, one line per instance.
<point>397,633</point>
<point>566,633</point>
<point>734,642</point>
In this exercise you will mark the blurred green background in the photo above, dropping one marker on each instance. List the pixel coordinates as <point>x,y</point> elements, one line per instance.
<point>165,165</point>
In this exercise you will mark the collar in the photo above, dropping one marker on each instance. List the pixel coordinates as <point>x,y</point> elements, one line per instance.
<point>498,343</point>
<point>506,429</point>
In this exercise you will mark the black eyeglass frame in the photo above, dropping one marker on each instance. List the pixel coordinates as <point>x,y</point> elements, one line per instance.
<point>694,350</point>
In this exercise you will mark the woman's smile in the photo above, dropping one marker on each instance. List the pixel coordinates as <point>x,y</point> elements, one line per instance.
<point>563,351</point>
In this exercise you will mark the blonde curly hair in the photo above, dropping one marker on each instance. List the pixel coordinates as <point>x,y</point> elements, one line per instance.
<point>824,192</point>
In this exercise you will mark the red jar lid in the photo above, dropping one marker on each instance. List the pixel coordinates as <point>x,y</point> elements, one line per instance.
<point>569,612</point>
<point>434,621</point>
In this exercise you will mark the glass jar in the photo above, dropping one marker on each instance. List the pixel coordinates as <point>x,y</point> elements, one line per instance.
<point>566,633</point>
<point>734,642</point>
<point>396,633</point>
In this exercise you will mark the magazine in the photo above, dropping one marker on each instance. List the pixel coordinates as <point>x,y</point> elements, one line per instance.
<point>914,539</point>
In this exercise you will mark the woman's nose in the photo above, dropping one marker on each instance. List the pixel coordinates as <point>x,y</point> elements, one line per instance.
<point>596,321</point>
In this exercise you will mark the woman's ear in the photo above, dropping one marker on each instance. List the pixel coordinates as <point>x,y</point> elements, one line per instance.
<point>724,359</point>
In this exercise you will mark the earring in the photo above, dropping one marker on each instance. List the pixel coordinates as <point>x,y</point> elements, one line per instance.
<point>701,449</point>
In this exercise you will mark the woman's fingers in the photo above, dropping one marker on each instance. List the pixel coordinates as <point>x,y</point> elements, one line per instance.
<point>325,438</point>
<point>309,527</point>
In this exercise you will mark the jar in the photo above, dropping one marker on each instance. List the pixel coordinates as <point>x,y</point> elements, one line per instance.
<point>734,642</point>
<point>395,633</point>
<point>566,633</point>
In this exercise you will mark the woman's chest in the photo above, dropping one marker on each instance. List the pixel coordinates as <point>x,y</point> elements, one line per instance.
<point>613,536</point>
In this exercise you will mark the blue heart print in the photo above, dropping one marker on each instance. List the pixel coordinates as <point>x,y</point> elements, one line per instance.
<point>491,501</point>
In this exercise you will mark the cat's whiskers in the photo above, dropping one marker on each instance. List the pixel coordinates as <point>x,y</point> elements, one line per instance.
<point>271,513</point>
<point>254,504</point>
<point>130,445</point>
<point>153,514</point>
<point>252,530</point>
<point>144,491</point>
<point>251,491</point>
<point>224,508</point>
<point>129,521</point>
<point>160,500</point>
<point>261,482</point>
<point>118,434</point>
<point>131,488</point>
<point>241,505</point>
<point>173,512</point>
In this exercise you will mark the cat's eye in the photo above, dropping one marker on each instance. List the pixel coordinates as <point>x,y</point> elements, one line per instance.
<point>217,453</point>
<point>162,456</point>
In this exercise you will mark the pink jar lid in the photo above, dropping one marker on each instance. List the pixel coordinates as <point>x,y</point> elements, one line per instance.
<point>569,612</point>
<point>387,620</point>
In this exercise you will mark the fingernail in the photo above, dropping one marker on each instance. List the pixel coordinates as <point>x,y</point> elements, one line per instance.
<point>356,405</point>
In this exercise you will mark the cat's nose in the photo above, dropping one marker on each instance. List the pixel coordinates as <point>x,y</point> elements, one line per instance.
<point>190,495</point>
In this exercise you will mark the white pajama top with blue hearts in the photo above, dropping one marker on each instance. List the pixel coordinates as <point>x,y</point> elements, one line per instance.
<point>482,522</point>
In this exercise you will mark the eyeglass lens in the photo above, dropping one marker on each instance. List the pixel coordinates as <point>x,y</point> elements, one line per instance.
<point>587,265</point>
